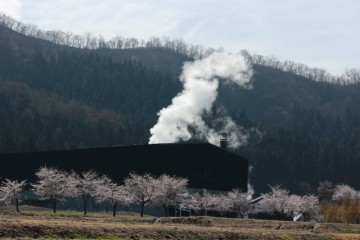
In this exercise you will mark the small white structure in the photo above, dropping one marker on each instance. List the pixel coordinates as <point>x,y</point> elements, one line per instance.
<point>255,207</point>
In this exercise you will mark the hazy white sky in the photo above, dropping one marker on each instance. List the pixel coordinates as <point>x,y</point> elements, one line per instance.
<point>319,33</point>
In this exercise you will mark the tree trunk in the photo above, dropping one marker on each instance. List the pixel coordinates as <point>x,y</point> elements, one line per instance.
<point>85,205</point>
<point>17,204</point>
<point>114,209</point>
<point>142,209</point>
<point>54,205</point>
<point>165,211</point>
<point>172,211</point>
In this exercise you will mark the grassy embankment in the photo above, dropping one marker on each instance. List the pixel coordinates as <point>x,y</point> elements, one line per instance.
<point>41,223</point>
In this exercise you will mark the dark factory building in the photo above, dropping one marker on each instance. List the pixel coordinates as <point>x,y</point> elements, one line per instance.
<point>205,165</point>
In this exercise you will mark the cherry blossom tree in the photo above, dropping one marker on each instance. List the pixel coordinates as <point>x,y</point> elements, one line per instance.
<point>238,201</point>
<point>221,203</point>
<point>195,202</point>
<point>279,202</point>
<point>109,191</point>
<point>293,205</point>
<point>170,192</point>
<point>83,185</point>
<point>275,201</point>
<point>52,185</point>
<point>188,203</point>
<point>307,205</point>
<point>142,188</point>
<point>205,201</point>
<point>310,207</point>
<point>342,191</point>
<point>11,191</point>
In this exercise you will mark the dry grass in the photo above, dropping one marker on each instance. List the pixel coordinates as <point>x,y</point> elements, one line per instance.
<point>345,211</point>
<point>39,223</point>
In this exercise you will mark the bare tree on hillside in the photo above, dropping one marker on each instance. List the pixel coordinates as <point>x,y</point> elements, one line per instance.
<point>351,75</point>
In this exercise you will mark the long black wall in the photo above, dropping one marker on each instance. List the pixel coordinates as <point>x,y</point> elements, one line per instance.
<point>205,165</point>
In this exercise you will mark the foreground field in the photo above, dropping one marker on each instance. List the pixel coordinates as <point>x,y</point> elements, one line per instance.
<point>39,223</point>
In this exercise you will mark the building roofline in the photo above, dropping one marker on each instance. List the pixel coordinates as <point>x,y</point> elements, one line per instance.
<point>125,146</point>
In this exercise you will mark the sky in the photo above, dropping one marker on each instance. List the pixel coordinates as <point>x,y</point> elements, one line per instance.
<point>318,33</point>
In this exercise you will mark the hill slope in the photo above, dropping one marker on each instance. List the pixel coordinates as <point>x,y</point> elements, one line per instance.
<point>308,130</point>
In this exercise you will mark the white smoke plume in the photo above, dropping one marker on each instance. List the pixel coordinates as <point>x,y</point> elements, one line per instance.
<point>200,84</point>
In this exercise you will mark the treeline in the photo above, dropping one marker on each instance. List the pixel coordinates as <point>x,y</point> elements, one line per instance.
<point>167,192</point>
<point>339,203</point>
<point>89,41</point>
<point>350,76</point>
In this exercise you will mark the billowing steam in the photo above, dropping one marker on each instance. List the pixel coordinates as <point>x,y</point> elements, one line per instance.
<point>201,81</point>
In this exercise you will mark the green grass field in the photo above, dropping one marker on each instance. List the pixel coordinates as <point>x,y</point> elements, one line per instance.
<point>42,223</point>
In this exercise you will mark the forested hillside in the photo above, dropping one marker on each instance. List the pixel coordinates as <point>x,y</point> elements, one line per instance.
<point>84,77</point>
<point>310,129</point>
<point>56,96</point>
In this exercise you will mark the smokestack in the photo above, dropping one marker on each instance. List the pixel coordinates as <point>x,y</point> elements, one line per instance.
<point>223,143</point>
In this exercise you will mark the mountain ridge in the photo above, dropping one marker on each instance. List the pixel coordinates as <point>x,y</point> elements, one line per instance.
<point>308,129</point>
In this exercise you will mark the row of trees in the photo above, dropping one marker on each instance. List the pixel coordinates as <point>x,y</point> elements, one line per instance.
<point>57,185</point>
<point>340,200</point>
<point>279,204</point>
<point>165,191</point>
<point>172,192</point>
<point>89,41</point>
<point>350,76</point>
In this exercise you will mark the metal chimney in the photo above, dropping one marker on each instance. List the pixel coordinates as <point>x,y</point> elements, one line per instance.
<point>223,143</point>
